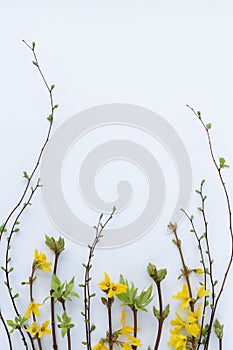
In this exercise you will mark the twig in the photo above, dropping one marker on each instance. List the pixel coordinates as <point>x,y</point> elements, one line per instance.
<point>218,168</point>
<point>6,330</point>
<point>87,293</point>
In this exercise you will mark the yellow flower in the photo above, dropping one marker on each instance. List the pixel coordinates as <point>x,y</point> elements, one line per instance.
<point>33,330</point>
<point>100,346</point>
<point>191,325</point>
<point>194,316</point>
<point>126,346</point>
<point>110,287</point>
<point>193,329</point>
<point>184,297</point>
<point>178,341</point>
<point>198,271</point>
<point>126,330</point>
<point>178,322</point>
<point>32,308</point>
<point>202,292</point>
<point>43,329</point>
<point>40,261</point>
<point>39,331</point>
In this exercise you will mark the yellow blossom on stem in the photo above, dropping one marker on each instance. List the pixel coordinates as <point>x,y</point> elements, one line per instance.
<point>100,346</point>
<point>33,330</point>
<point>178,341</point>
<point>44,329</point>
<point>40,261</point>
<point>198,271</point>
<point>32,308</point>
<point>126,330</point>
<point>110,287</point>
<point>202,292</point>
<point>194,316</point>
<point>184,297</point>
<point>193,329</point>
<point>190,325</point>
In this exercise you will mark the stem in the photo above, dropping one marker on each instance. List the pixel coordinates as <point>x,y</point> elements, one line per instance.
<point>87,293</point>
<point>6,331</point>
<point>20,201</point>
<point>227,198</point>
<point>161,319</point>
<point>135,325</point>
<point>220,344</point>
<point>8,269</point>
<point>185,269</point>
<point>52,306</point>
<point>68,331</point>
<point>29,179</point>
<point>31,281</point>
<point>210,260</point>
<point>109,307</point>
<point>190,218</point>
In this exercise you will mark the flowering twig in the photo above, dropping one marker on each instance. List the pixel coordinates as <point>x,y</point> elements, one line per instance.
<point>57,247</point>
<point>86,285</point>
<point>29,179</point>
<point>219,167</point>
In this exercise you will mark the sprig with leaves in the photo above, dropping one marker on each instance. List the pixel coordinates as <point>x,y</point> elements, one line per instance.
<point>161,313</point>
<point>135,301</point>
<point>23,203</point>
<point>57,247</point>
<point>219,165</point>
<point>87,295</point>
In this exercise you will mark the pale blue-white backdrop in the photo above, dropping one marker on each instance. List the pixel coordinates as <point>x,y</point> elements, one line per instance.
<point>159,55</point>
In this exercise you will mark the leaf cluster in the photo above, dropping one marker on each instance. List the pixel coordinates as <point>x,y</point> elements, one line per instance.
<point>62,291</point>
<point>56,246</point>
<point>134,299</point>
<point>17,323</point>
<point>64,323</point>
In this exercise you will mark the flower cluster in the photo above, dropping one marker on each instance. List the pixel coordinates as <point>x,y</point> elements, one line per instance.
<point>125,331</point>
<point>187,329</point>
<point>37,331</point>
<point>111,288</point>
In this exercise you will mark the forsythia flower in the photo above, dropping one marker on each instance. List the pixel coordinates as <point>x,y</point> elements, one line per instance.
<point>39,331</point>
<point>202,292</point>
<point>126,330</point>
<point>33,330</point>
<point>40,261</point>
<point>194,316</point>
<point>32,308</point>
<point>184,297</point>
<point>100,346</point>
<point>178,341</point>
<point>44,329</point>
<point>198,271</point>
<point>110,287</point>
<point>192,327</point>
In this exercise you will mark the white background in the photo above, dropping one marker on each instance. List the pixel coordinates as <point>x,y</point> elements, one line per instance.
<point>158,54</point>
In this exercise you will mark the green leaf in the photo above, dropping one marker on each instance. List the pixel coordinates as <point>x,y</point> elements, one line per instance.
<point>50,118</point>
<point>222,163</point>
<point>218,329</point>
<point>208,126</point>
<point>162,274</point>
<point>25,175</point>
<point>166,311</point>
<point>156,312</point>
